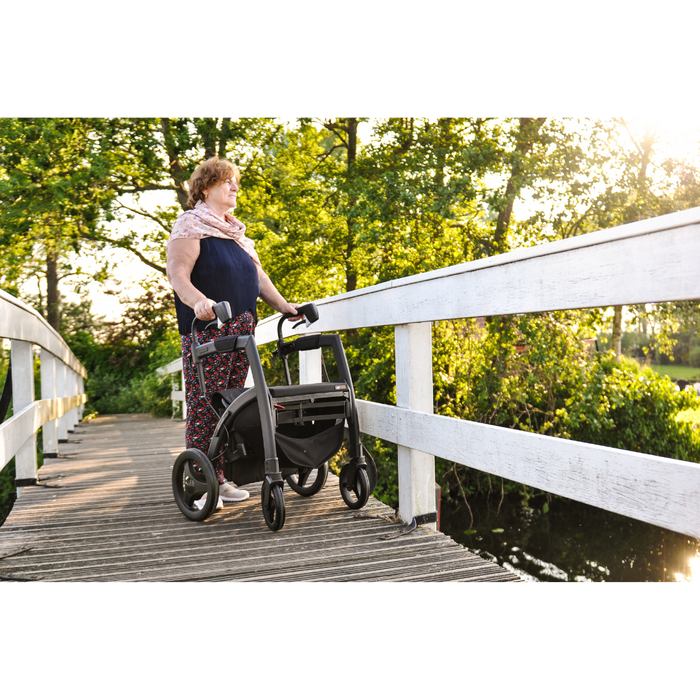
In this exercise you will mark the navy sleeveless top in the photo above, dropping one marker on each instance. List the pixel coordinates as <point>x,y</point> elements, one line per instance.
<point>223,272</point>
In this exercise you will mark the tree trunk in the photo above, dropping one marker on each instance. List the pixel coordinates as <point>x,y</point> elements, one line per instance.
<point>223,136</point>
<point>175,168</point>
<point>209,132</point>
<point>647,146</point>
<point>617,333</point>
<point>53,295</point>
<point>350,270</point>
<point>525,140</point>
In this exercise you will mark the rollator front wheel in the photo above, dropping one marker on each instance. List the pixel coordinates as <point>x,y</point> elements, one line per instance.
<point>308,482</point>
<point>273,506</point>
<point>193,478</point>
<point>354,488</point>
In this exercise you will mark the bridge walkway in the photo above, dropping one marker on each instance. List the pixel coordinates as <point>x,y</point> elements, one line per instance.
<point>104,511</point>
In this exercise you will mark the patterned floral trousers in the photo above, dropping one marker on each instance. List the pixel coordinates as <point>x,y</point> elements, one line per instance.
<point>221,371</point>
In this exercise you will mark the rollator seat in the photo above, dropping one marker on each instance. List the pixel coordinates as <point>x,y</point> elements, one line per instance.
<point>310,423</point>
<point>279,392</point>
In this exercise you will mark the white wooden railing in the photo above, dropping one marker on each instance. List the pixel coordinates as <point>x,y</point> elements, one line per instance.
<point>645,262</point>
<point>61,405</point>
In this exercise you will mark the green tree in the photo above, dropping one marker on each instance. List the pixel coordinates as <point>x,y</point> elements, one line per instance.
<point>50,205</point>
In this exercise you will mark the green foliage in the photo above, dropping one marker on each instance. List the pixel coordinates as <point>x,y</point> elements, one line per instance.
<point>147,393</point>
<point>624,406</point>
<point>52,205</point>
<point>691,416</point>
<point>122,358</point>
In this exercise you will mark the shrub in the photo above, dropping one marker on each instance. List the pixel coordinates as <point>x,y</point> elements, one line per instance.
<point>625,406</point>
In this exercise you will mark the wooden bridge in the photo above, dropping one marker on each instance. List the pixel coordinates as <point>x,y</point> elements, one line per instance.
<point>105,487</point>
<point>104,511</point>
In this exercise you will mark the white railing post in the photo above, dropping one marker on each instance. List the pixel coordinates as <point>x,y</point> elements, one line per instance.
<point>22,396</point>
<point>72,391</point>
<point>414,390</point>
<point>175,368</point>
<point>81,391</point>
<point>310,362</point>
<point>178,394</point>
<point>48,391</point>
<point>173,389</point>
<point>62,392</point>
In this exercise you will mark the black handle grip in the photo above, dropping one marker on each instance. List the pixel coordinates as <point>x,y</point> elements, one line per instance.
<point>309,310</point>
<point>222,310</point>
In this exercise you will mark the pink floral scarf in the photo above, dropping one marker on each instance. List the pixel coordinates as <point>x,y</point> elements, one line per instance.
<point>201,222</point>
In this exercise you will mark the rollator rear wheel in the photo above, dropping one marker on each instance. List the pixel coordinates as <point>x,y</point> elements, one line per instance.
<point>273,506</point>
<point>371,469</point>
<point>193,477</point>
<point>355,491</point>
<point>308,482</point>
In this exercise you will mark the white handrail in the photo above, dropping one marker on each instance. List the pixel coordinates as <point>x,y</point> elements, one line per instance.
<point>21,322</point>
<point>62,398</point>
<point>645,262</point>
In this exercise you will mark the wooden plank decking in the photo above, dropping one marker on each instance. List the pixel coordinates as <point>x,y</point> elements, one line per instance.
<point>104,511</point>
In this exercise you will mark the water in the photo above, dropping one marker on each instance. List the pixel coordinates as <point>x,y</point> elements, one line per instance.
<point>569,541</point>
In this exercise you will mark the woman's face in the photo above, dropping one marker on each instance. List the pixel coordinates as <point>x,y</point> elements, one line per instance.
<point>222,197</point>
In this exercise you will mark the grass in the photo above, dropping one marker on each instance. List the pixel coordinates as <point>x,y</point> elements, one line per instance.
<point>678,371</point>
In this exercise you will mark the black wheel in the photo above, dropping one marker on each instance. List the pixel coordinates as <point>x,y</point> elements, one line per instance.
<point>371,470</point>
<point>193,477</point>
<point>273,506</point>
<point>354,488</point>
<point>308,482</point>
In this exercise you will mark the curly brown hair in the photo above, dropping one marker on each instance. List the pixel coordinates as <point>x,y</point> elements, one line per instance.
<point>209,174</point>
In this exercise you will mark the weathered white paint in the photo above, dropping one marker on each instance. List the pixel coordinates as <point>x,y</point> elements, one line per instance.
<point>310,363</point>
<point>26,328</point>
<point>62,392</point>
<point>657,490</point>
<point>414,391</point>
<point>14,431</point>
<point>22,357</point>
<point>81,392</point>
<point>18,321</point>
<point>72,415</point>
<point>171,367</point>
<point>177,396</point>
<point>48,391</point>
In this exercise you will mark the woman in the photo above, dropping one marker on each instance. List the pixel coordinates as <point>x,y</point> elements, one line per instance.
<point>210,259</point>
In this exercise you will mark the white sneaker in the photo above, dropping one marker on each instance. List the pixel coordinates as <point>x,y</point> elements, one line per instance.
<point>200,503</point>
<point>229,492</point>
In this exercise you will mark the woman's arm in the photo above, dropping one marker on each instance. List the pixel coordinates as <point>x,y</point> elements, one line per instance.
<point>182,255</point>
<point>270,295</point>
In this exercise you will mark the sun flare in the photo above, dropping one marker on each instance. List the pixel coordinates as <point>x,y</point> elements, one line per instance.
<point>676,136</point>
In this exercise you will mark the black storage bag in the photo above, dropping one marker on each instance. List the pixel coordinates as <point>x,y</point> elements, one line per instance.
<point>305,446</point>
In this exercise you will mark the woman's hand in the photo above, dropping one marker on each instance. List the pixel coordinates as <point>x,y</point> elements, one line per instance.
<point>291,309</point>
<point>203,309</point>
